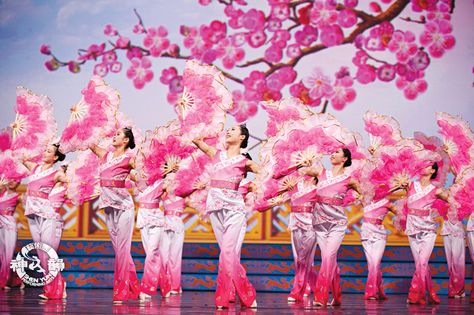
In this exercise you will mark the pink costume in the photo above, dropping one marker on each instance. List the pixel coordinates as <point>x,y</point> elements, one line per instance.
<point>455,248</point>
<point>172,244</point>
<point>44,220</point>
<point>330,225</point>
<point>374,237</point>
<point>8,233</point>
<point>470,243</point>
<point>421,230</point>
<point>228,218</point>
<point>119,217</point>
<point>303,237</point>
<point>150,221</point>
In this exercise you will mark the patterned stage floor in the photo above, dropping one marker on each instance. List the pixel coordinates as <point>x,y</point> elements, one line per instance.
<point>99,301</point>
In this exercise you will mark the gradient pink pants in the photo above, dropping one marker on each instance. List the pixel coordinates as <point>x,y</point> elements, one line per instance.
<point>120,225</point>
<point>171,251</point>
<point>238,249</point>
<point>421,245</point>
<point>48,231</point>
<point>303,244</point>
<point>227,226</point>
<point>470,243</point>
<point>151,239</point>
<point>329,237</point>
<point>374,249</point>
<point>455,248</point>
<point>8,234</point>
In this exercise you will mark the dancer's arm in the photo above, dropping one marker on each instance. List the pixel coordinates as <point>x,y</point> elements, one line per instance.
<point>442,194</point>
<point>28,164</point>
<point>204,147</point>
<point>100,152</point>
<point>252,167</point>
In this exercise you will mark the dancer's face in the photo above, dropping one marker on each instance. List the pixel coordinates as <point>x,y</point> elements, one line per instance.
<point>233,135</point>
<point>119,139</point>
<point>49,155</point>
<point>338,157</point>
<point>429,170</point>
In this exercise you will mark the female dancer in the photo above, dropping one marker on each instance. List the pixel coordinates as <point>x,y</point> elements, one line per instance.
<point>227,213</point>
<point>455,247</point>
<point>119,211</point>
<point>331,221</point>
<point>172,240</point>
<point>470,243</point>
<point>43,219</point>
<point>374,238</point>
<point>421,230</point>
<point>8,230</point>
<point>150,221</point>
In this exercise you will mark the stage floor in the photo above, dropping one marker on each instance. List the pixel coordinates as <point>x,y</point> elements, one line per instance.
<point>99,301</point>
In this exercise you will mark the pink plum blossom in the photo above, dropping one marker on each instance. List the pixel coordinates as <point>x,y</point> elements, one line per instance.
<point>331,35</point>
<point>229,53</point>
<point>411,89</point>
<point>343,93</point>
<point>323,13</point>
<point>306,36</point>
<point>243,108</point>
<point>437,38</point>
<point>319,84</point>
<point>45,50</point>
<point>168,74</point>
<point>140,72</point>
<point>386,72</point>
<point>253,20</point>
<point>403,45</point>
<point>156,41</point>
<point>366,74</point>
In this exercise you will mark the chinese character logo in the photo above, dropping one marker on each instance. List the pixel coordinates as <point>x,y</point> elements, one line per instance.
<point>43,268</point>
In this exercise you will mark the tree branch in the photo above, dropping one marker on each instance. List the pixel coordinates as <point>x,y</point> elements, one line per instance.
<point>392,12</point>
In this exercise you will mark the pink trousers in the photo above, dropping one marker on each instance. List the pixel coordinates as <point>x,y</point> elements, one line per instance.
<point>470,243</point>
<point>238,249</point>
<point>421,245</point>
<point>303,244</point>
<point>374,249</point>
<point>48,231</point>
<point>227,226</point>
<point>329,237</point>
<point>455,248</point>
<point>171,251</point>
<point>151,239</point>
<point>120,225</point>
<point>8,234</point>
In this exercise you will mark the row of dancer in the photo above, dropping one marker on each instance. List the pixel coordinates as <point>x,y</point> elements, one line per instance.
<point>317,218</point>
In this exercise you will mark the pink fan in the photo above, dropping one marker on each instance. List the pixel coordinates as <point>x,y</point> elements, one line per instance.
<point>5,139</point>
<point>306,140</point>
<point>34,126</point>
<point>161,151</point>
<point>93,117</point>
<point>10,169</point>
<point>202,106</point>
<point>462,193</point>
<point>285,110</point>
<point>382,129</point>
<point>192,171</point>
<point>83,174</point>
<point>435,145</point>
<point>394,165</point>
<point>458,140</point>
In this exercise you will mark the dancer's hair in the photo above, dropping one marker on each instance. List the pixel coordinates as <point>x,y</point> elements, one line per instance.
<point>61,156</point>
<point>435,167</point>
<point>347,153</point>
<point>245,132</point>
<point>127,131</point>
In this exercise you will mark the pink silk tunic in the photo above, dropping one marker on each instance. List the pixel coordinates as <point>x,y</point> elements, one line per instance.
<point>149,212</point>
<point>8,201</point>
<point>420,213</point>
<point>374,213</point>
<point>57,197</point>
<point>40,184</point>
<point>330,193</point>
<point>226,175</point>
<point>115,170</point>
<point>302,206</point>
